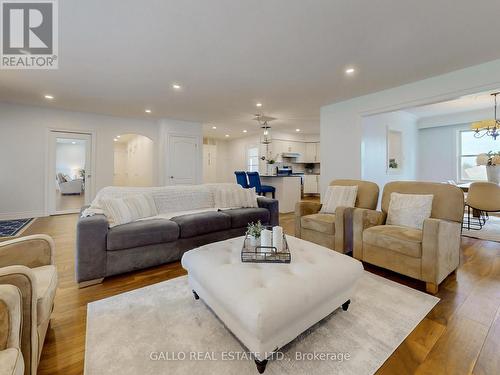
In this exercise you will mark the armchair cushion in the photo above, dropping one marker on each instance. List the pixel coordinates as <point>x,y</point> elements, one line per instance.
<point>324,223</point>
<point>46,285</point>
<point>404,240</point>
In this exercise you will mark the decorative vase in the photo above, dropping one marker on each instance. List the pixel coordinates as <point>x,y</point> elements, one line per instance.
<point>254,241</point>
<point>270,169</point>
<point>493,173</point>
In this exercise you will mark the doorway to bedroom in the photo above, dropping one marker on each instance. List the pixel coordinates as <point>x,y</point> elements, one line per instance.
<point>69,171</point>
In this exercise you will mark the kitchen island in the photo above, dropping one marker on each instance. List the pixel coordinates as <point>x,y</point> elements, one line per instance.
<point>288,190</point>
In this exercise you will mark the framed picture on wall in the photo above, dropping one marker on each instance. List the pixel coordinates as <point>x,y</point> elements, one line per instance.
<point>394,151</point>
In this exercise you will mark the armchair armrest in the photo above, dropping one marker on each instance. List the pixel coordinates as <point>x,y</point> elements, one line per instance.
<point>440,249</point>
<point>273,206</point>
<point>30,251</point>
<point>23,278</point>
<point>304,208</point>
<point>10,313</point>
<point>344,229</point>
<point>364,218</point>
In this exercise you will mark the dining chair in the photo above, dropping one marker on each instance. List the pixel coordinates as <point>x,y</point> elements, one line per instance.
<point>254,182</point>
<point>241,179</point>
<point>483,197</point>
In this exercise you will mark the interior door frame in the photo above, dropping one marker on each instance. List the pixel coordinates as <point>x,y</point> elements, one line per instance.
<point>199,156</point>
<point>49,170</point>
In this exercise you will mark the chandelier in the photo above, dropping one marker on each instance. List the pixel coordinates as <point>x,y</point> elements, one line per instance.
<point>488,127</point>
<point>263,122</point>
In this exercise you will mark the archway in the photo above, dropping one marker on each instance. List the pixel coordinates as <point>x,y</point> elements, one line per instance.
<point>133,160</point>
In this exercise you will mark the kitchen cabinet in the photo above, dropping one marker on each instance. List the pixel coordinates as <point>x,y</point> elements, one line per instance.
<point>311,152</point>
<point>311,184</point>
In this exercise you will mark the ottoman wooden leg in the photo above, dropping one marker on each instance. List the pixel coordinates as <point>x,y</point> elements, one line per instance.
<point>345,305</point>
<point>261,366</point>
<point>196,296</point>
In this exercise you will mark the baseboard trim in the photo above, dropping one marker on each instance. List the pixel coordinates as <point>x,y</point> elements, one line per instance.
<point>21,215</point>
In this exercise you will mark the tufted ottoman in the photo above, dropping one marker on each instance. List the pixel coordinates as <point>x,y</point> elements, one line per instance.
<point>268,305</point>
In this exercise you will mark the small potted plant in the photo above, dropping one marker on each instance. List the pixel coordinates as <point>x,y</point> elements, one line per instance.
<point>492,162</point>
<point>253,232</point>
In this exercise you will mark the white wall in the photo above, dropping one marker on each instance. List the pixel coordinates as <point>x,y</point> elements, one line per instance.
<point>70,158</point>
<point>438,153</point>
<point>341,123</point>
<point>140,161</point>
<point>374,146</point>
<point>23,151</point>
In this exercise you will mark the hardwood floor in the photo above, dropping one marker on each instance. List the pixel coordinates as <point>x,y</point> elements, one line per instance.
<point>461,335</point>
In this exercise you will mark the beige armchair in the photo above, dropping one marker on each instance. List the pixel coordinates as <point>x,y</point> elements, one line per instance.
<point>11,358</point>
<point>333,230</point>
<point>430,254</point>
<point>28,264</point>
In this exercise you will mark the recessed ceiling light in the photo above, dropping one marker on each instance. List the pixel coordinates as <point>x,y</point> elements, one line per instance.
<point>73,143</point>
<point>118,136</point>
<point>258,105</point>
<point>227,135</point>
<point>350,71</point>
<point>214,127</point>
<point>147,110</point>
<point>115,139</point>
<point>50,97</point>
<point>244,131</point>
<point>176,86</point>
<point>297,130</point>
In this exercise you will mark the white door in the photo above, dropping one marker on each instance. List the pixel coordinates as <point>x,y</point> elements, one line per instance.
<point>209,163</point>
<point>182,162</point>
<point>70,184</point>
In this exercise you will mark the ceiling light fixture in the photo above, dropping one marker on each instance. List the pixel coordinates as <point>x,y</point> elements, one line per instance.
<point>115,139</point>
<point>297,130</point>
<point>147,110</point>
<point>73,143</point>
<point>118,136</point>
<point>214,127</point>
<point>263,122</point>
<point>488,127</point>
<point>227,135</point>
<point>50,97</point>
<point>244,131</point>
<point>176,86</point>
<point>258,105</point>
<point>350,71</point>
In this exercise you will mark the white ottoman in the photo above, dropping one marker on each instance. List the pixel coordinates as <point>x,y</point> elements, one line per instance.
<point>268,305</point>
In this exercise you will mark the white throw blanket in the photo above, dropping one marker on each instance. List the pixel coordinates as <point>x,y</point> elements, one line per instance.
<point>170,201</point>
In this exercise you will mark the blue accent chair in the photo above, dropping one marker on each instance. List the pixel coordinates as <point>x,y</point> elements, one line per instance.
<point>254,181</point>
<point>241,179</point>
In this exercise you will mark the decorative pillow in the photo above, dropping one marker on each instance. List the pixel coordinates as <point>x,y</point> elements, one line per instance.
<point>235,197</point>
<point>125,210</point>
<point>339,196</point>
<point>409,210</point>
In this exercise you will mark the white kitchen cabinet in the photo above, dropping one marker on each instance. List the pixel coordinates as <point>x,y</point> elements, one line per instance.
<point>317,157</point>
<point>311,184</point>
<point>310,153</point>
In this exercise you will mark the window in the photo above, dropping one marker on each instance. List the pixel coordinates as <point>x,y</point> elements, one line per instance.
<point>469,148</point>
<point>253,159</point>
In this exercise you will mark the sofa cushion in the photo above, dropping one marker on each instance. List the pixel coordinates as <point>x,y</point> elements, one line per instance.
<point>324,223</point>
<point>142,233</point>
<point>241,217</point>
<point>206,222</point>
<point>404,240</point>
<point>46,285</point>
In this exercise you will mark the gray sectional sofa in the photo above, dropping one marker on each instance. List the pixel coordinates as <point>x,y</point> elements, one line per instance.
<point>102,251</point>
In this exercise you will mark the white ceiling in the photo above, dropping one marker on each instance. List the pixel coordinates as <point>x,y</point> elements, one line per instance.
<point>463,104</point>
<point>121,56</point>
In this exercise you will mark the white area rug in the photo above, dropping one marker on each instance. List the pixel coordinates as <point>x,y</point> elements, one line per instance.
<point>150,330</point>
<point>489,232</point>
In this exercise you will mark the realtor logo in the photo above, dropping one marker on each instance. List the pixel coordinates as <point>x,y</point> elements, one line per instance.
<point>29,37</point>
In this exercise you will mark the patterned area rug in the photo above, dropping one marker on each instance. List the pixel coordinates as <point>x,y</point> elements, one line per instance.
<point>161,329</point>
<point>12,228</point>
